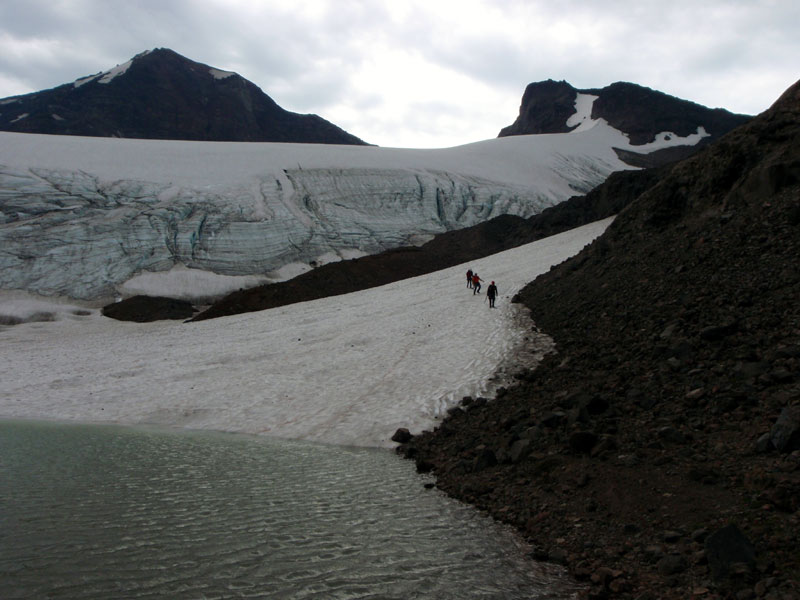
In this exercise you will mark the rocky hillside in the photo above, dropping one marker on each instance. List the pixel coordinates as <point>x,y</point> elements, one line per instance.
<point>162,95</point>
<point>638,111</point>
<point>657,453</point>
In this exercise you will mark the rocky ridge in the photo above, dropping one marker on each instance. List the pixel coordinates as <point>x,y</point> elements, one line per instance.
<point>657,452</point>
<point>160,94</point>
<point>637,111</point>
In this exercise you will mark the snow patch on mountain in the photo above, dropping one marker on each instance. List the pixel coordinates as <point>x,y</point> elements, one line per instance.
<point>668,139</point>
<point>219,74</point>
<point>111,74</point>
<point>582,119</point>
<point>108,76</point>
<point>84,80</point>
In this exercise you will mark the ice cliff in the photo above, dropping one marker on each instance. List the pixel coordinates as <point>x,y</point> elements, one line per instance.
<point>81,216</point>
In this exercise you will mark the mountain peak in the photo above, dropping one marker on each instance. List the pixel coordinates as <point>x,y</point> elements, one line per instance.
<point>638,111</point>
<point>160,59</point>
<point>160,94</point>
<point>546,106</point>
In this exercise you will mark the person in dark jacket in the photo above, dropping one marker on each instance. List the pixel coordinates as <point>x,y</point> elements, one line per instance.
<point>491,294</point>
<point>469,278</point>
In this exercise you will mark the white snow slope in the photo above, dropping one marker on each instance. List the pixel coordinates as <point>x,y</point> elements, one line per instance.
<point>82,217</point>
<point>347,370</point>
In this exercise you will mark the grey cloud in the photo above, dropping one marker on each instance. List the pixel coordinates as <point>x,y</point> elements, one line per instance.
<point>702,52</point>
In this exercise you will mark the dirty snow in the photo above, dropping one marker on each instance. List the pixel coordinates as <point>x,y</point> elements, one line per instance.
<point>346,370</point>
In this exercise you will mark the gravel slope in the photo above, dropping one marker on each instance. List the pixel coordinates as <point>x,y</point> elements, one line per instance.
<point>657,454</point>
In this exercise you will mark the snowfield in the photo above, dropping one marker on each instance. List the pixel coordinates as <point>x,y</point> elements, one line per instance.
<point>345,370</point>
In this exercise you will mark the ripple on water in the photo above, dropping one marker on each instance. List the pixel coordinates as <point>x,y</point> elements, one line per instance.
<point>102,512</point>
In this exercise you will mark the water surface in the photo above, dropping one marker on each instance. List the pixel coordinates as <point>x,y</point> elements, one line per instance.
<point>98,512</point>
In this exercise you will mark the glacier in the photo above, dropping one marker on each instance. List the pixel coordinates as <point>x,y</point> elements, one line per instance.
<point>80,217</point>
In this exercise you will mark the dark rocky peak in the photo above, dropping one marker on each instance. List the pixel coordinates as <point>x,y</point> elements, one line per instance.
<point>161,64</point>
<point>642,113</point>
<point>638,111</point>
<point>546,107</point>
<point>160,94</point>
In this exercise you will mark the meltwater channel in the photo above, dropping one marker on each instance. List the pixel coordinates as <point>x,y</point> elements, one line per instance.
<point>107,512</point>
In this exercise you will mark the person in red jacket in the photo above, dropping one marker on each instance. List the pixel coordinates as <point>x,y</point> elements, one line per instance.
<point>476,284</point>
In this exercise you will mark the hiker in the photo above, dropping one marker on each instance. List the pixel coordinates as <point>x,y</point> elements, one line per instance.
<point>469,278</point>
<point>476,284</point>
<point>491,294</point>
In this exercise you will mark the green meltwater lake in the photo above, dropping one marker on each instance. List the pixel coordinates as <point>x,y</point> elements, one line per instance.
<point>113,512</point>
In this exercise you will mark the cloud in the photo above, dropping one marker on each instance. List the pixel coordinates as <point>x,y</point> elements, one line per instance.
<point>437,72</point>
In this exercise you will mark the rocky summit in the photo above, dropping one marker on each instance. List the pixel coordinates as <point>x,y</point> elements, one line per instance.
<point>638,111</point>
<point>160,94</point>
<point>656,453</point>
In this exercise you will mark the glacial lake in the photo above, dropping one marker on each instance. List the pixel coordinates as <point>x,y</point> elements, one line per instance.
<point>110,512</point>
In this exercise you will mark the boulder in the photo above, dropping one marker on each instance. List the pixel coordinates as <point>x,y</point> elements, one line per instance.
<point>553,418</point>
<point>726,549</point>
<point>672,564</point>
<point>764,443</point>
<point>402,436</point>
<point>785,434</point>
<point>519,450</point>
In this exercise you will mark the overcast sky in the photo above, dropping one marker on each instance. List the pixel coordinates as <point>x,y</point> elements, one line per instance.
<point>420,73</point>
